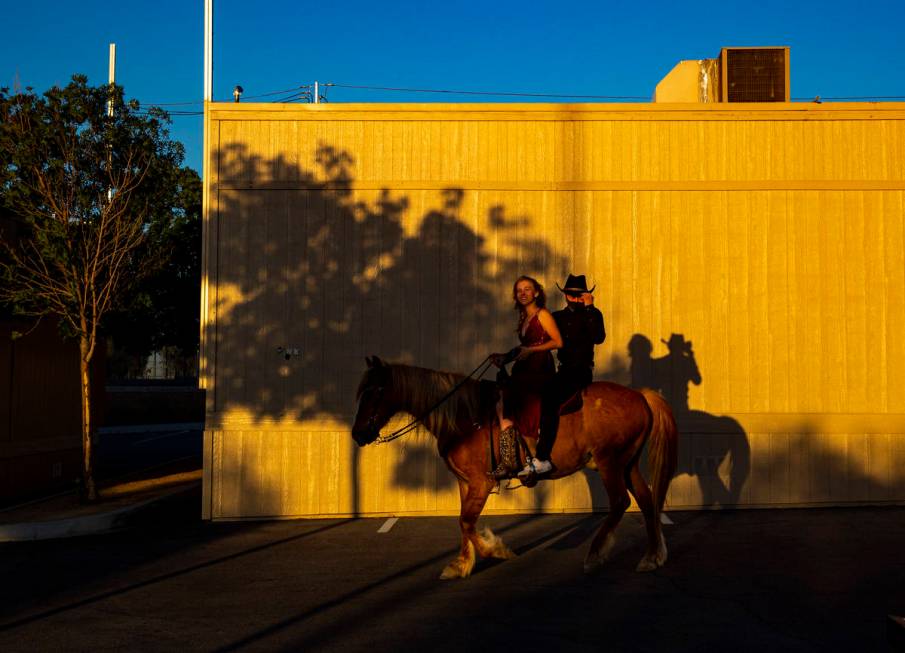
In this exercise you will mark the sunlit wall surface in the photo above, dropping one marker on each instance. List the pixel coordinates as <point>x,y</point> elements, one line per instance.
<point>749,262</point>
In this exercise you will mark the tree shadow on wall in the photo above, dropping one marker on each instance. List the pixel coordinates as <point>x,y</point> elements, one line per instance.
<point>311,277</point>
<point>310,280</point>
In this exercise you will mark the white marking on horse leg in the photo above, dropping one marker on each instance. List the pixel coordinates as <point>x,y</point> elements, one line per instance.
<point>607,547</point>
<point>648,563</point>
<point>388,524</point>
<point>662,553</point>
<point>593,559</point>
<point>462,566</point>
<point>494,547</point>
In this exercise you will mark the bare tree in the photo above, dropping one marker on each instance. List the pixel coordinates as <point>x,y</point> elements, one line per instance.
<point>88,185</point>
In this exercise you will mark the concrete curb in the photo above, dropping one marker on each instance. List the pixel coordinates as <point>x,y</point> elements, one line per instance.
<point>86,525</point>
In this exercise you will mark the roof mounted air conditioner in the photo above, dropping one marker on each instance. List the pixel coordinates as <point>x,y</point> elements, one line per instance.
<point>754,74</point>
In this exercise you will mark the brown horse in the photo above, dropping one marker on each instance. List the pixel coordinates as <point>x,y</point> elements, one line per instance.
<point>608,434</point>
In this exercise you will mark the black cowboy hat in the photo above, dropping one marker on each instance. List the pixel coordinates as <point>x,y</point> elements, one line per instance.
<point>576,284</point>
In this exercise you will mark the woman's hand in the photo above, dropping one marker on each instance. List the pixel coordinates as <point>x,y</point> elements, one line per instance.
<point>523,353</point>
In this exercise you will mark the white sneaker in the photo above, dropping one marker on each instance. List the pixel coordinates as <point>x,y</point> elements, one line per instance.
<point>536,466</point>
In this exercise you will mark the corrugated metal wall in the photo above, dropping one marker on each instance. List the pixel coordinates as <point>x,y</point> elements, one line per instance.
<point>763,243</point>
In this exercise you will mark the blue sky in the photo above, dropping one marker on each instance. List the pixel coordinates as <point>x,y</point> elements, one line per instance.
<point>584,48</point>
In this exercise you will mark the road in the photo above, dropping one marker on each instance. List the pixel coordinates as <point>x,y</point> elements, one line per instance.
<point>136,452</point>
<point>129,450</point>
<point>756,580</point>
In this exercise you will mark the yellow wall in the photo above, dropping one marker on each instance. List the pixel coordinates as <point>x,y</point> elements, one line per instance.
<point>771,237</point>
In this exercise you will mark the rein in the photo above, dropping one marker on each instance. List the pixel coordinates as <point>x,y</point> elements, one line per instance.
<point>411,426</point>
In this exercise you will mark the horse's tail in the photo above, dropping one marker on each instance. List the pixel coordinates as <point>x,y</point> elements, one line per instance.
<point>663,454</point>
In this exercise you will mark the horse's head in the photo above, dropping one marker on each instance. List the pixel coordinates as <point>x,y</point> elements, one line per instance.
<point>374,410</point>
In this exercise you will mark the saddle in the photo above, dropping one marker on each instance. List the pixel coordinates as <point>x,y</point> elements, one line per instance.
<point>573,404</point>
<point>528,418</point>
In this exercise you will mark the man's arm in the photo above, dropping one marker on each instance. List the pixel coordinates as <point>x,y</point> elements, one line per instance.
<point>595,325</point>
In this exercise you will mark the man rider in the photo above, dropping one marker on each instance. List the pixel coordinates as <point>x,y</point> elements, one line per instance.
<point>581,326</point>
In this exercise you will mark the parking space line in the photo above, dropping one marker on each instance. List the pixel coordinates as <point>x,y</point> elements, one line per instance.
<point>388,524</point>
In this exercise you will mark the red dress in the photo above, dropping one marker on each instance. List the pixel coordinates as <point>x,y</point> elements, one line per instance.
<point>530,376</point>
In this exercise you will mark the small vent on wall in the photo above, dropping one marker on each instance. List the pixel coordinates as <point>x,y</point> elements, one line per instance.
<point>755,74</point>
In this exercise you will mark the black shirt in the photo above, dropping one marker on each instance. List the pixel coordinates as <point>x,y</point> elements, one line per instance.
<point>581,328</point>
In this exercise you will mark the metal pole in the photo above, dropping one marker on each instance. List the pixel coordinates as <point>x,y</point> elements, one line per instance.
<point>208,49</point>
<point>112,78</point>
<point>317,94</point>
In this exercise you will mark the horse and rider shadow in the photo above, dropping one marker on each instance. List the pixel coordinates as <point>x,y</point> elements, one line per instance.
<point>713,449</point>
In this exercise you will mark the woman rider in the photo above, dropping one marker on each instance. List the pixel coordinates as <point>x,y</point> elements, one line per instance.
<point>534,368</point>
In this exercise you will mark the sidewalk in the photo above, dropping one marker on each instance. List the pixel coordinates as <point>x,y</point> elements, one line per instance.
<point>121,500</point>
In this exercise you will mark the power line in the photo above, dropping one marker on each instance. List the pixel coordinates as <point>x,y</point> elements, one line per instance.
<point>177,114</point>
<point>272,93</point>
<point>304,91</point>
<point>494,93</point>
<point>171,104</point>
<point>852,97</point>
<point>293,90</point>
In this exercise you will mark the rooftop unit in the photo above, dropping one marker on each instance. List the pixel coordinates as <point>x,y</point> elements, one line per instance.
<point>751,74</point>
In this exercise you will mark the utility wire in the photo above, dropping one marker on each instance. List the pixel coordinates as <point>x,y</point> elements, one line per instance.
<point>853,97</point>
<point>171,104</point>
<point>272,93</point>
<point>294,89</point>
<point>501,93</point>
<point>175,114</point>
<point>304,91</point>
<point>298,94</point>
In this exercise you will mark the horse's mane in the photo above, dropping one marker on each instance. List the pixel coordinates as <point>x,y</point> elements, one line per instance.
<point>421,387</point>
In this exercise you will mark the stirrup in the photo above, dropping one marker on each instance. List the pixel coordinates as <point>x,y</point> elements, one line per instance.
<point>501,473</point>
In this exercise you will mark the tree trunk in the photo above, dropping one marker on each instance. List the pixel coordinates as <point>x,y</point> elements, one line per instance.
<point>88,488</point>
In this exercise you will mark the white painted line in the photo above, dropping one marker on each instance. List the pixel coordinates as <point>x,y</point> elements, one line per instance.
<point>664,519</point>
<point>388,524</point>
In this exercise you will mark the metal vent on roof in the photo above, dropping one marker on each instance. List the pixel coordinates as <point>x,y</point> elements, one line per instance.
<point>755,74</point>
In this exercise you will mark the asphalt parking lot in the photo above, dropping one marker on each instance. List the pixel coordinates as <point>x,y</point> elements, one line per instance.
<point>755,580</point>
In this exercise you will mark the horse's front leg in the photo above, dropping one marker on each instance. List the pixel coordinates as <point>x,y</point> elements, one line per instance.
<point>614,482</point>
<point>473,496</point>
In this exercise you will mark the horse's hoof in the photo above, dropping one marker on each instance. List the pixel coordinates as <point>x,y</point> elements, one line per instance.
<point>646,564</point>
<point>450,572</point>
<point>590,564</point>
<point>455,569</point>
<point>494,546</point>
<point>662,552</point>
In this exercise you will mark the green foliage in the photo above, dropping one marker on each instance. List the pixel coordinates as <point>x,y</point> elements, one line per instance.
<point>96,182</point>
<point>110,213</point>
<point>163,310</point>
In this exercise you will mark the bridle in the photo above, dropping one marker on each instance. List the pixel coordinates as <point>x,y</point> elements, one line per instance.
<point>371,423</point>
<point>411,426</point>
